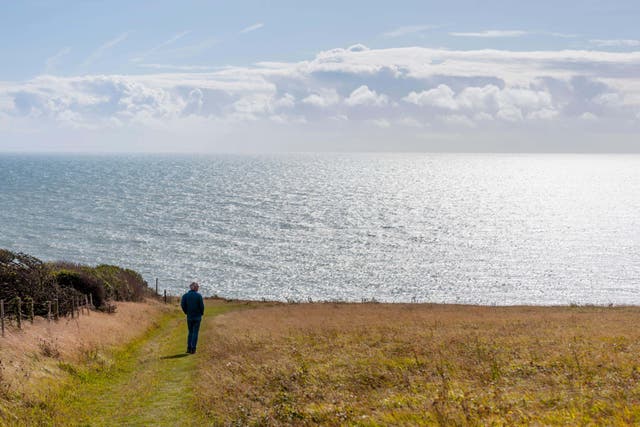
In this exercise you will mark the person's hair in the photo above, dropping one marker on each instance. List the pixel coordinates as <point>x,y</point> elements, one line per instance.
<point>194,286</point>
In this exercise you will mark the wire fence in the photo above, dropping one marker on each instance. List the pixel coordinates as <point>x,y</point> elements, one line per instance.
<point>16,311</point>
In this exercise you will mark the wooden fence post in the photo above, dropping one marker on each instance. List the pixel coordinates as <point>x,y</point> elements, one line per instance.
<point>165,296</point>
<point>91,300</point>
<point>86,304</point>
<point>73,307</point>
<point>49,311</point>
<point>2,315</point>
<point>19,312</point>
<point>156,286</point>
<point>31,310</point>
<point>56,309</point>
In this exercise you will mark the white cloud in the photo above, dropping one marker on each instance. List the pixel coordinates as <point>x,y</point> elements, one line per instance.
<point>365,96</point>
<point>615,43</point>
<point>510,113</point>
<point>408,30</point>
<point>357,48</point>
<point>441,97</point>
<point>491,33</point>
<point>286,101</point>
<point>99,52</point>
<point>323,98</point>
<point>510,104</point>
<point>482,117</point>
<point>611,99</point>
<point>253,106</point>
<point>251,28</point>
<point>478,98</point>
<point>415,89</point>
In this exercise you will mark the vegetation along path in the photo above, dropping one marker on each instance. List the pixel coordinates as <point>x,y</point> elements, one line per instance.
<point>147,383</point>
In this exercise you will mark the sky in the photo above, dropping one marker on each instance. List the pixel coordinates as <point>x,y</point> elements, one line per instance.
<point>254,76</point>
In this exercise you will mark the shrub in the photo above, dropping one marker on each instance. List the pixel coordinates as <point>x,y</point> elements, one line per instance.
<point>24,276</point>
<point>81,279</point>
<point>122,284</point>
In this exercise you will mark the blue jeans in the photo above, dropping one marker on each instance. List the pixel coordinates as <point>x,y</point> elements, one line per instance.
<point>194,327</point>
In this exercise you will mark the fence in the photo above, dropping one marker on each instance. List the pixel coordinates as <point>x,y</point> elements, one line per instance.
<point>18,310</point>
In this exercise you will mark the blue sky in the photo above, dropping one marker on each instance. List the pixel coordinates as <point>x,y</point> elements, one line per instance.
<point>352,75</point>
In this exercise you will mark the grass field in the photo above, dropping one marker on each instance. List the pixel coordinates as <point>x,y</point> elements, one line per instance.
<point>349,364</point>
<point>374,364</point>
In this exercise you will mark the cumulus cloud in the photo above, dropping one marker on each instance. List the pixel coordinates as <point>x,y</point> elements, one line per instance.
<point>411,89</point>
<point>365,96</point>
<point>323,98</point>
<point>510,104</point>
<point>441,97</point>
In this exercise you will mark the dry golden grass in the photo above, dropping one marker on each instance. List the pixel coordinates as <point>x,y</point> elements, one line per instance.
<point>41,351</point>
<point>377,364</point>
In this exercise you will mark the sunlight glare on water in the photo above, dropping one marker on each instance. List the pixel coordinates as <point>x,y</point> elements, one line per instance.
<point>485,229</point>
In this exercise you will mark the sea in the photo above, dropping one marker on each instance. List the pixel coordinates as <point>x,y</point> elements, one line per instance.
<point>490,229</point>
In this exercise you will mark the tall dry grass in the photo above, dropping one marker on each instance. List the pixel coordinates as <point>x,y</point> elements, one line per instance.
<point>36,356</point>
<point>376,364</point>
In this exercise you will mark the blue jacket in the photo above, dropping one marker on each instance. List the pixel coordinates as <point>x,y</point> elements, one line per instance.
<point>192,305</point>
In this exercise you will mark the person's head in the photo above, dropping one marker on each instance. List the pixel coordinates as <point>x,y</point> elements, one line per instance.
<point>194,286</point>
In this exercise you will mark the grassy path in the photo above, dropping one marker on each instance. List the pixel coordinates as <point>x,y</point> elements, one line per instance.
<point>149,382</point>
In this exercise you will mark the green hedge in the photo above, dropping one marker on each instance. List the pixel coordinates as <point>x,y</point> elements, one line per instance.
<point>24,276</point>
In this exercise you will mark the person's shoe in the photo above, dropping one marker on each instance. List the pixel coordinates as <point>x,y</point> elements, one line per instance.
<point>193,351</point>
<point>189,351</point>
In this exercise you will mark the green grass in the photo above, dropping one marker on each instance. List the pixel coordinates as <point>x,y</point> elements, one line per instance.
<point>147,382</point>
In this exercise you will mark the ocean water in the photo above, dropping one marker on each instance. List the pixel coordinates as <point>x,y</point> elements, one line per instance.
<point>452,228</point>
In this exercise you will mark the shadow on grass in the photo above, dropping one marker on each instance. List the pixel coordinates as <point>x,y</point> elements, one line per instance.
<point>175,356</point>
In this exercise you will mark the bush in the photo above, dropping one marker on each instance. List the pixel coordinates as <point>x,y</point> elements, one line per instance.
<point>81,279</point>
<point>122,284</point>
<point>24,276</point>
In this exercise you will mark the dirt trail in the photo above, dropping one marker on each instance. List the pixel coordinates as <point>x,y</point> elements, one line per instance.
<point>151,385</point>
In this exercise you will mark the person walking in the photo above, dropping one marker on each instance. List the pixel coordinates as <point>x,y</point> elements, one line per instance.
<point>193,306</point>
